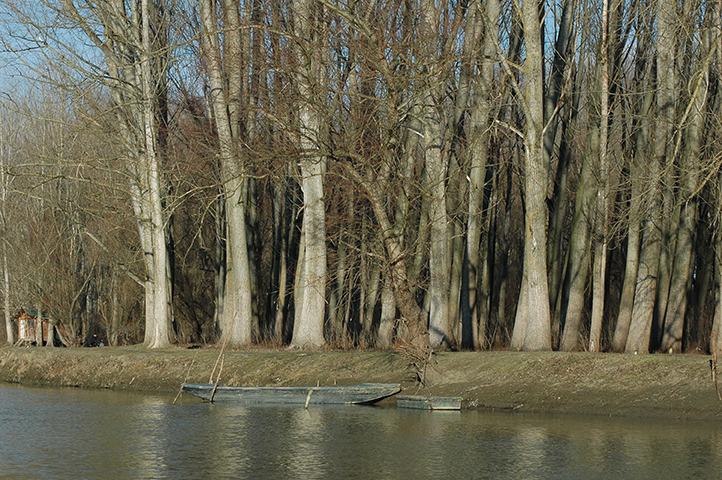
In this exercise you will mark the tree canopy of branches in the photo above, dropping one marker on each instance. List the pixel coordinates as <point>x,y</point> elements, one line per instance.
<point>460,175</point>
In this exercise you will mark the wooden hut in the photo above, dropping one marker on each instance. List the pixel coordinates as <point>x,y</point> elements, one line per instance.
<point>27,323</point>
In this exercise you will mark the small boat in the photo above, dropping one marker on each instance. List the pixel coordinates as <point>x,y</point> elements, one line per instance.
<point>428,403</point>
<point>365,393</point>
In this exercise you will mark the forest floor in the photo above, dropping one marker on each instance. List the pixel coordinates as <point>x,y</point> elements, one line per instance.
<point>676,386</point>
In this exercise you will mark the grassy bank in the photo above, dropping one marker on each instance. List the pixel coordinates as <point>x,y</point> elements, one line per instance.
<point>677,386</point>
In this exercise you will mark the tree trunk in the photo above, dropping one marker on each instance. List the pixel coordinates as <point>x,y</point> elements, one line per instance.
<point>626,303</point>
<point>310,314</point>
<point>522,314</point>
<point>716,333</point>
<point>436,162</point>
<point>370,304</point>
<point>640,183</point>
<point>690,163</point>
<point>114,311</point>
<point>160,335</point>
<point>388,314</point>
<point>538,319</point>
<point>562,195</point>
<point>564,47</point>
<point>50,337</point>
<point>578,261</point>
<point>220,261</point>
<point>10,338</point>
<point>599,270</point>
<point>440,249</point>
<point>645,301</point>
<point>9,332</point>
<point>338,297</point>
<point>503,249</point>
<point>236,312</point>
<point>645,292</point>
<point>478,134</point>
<point>283,230</point>
<point>39,327</point>
<point>715,343</point>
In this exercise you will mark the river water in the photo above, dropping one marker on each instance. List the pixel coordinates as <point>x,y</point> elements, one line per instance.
<point>85,434</point>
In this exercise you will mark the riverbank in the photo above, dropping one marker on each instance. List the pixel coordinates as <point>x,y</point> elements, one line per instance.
<point>670,386</point>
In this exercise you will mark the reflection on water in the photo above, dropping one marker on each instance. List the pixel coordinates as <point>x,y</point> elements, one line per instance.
<point>70,433</point>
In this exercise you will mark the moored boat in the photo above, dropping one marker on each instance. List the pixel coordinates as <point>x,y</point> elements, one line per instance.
<point>364,393</point>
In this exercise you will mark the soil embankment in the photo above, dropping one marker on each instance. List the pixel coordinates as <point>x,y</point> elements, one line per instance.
<point>676,386</point>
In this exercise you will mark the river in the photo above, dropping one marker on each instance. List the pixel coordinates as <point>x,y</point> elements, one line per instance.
<point>52,433</point>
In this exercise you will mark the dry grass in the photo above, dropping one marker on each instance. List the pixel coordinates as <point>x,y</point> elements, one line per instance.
<point>608,384</point>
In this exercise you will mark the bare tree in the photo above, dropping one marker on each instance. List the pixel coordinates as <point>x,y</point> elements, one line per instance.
<point>532,326</point>
<point>225,70</point>
<point>601,236</point>
<point>132,57</point>
<point>649,264</point>
<point>4,186</point>
<point>312,271</point>
<point>688,148</point>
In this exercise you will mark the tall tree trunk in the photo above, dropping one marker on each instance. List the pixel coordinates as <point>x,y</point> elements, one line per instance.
<point>645,301</point>
<point>9,332</point>
<point>473,314</point>
<point>235,314</point>
<point>716,333</point>
<point>281,240</point>
<point>310,314</point>
<point>599,270</point>
<point>220,261</point>
<point>436,161</point>
<point>440,249</point>
<point>370,304</point>
<point>339,295</point>
<point>562,194</point>
<point>538,319</point>
<point>503,242</point>
<point>160,334</point>
<point>715,343</point>
<point>563,50</point>
<point>637,202</point>
<point>690,164</point>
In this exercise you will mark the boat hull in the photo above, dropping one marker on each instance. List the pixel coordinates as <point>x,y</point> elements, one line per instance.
<point>365,393</point>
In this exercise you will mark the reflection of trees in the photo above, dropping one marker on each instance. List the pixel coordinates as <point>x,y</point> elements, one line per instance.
<point>101,434</point>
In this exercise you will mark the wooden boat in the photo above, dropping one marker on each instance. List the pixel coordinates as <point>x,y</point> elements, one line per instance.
<point>428,403</point>
<point>365,393</point>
